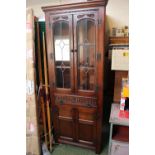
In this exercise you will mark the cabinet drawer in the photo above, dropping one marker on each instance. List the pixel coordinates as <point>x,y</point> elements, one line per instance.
<point>84,115</point>
<point>89,102</point>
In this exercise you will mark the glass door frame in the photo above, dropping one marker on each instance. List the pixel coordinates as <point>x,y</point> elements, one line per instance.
<point>68,18</point>
<point>92,16</point>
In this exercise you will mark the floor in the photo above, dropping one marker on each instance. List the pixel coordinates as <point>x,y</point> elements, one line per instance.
<point>62,149</point>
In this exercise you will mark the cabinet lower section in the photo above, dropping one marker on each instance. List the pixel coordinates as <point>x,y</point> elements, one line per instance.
<point>76,125</point>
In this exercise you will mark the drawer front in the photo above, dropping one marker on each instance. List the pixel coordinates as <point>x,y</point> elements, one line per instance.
<point>83,113</point>
<point>89,102</point>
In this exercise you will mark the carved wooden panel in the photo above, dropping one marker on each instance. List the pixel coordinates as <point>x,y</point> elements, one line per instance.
<point>63,17</point>
<point>56,18</point>
<point>84,134</point>
<point>80,16</point>
<point>86,16</point>
<point>68,126</point>
<point>76,100</point>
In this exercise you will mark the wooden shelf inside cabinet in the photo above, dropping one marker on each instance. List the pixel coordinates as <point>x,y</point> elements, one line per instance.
<point>120,133</point>
<point>119,40</point>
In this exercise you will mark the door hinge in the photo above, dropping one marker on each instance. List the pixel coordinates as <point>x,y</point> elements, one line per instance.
<point>99,21</point>
<point>52,56</point>
<point>52,85</point>
<point>98,56</point>
<point>96,88</point>
<point>49,25</point>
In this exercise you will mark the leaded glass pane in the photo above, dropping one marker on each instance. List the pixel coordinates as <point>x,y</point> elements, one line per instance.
<point>86,54</point>
<point>62,54</point>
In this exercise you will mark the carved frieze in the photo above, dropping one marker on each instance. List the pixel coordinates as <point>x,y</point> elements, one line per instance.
<point>91,15</point>
<point>84,15</point>
<point>60,18</point>
<point>76,100</point>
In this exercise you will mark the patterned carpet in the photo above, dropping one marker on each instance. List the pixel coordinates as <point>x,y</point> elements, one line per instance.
<point>62,149</point>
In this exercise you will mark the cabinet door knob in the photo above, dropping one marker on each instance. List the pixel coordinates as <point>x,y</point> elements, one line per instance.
<point>61,101</point>
<point>89,105</point>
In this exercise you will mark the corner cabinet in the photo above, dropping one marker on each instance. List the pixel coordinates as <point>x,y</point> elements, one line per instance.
<point>75,51</point>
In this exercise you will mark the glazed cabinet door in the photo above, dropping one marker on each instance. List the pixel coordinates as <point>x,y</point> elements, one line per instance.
<point>62,75</point>
<point>85,70</point>
<point>85,49</point>
<point>62,45</point>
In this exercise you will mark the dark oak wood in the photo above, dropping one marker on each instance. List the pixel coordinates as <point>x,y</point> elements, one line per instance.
<point>81,5</point>
<point>119,40</point>
<point>77,110</point>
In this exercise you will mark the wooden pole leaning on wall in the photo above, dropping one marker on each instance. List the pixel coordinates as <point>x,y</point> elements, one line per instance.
<point>41,103</point>
<point>47,93</point>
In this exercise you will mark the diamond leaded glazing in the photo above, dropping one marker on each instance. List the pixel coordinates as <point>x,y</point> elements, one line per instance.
<point>62,54</point>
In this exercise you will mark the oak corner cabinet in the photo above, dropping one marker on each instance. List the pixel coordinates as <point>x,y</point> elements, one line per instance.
<point>75,50</point>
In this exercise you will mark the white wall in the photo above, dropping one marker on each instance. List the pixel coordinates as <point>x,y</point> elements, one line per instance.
<point>37,4</point>
<point>117,11</point>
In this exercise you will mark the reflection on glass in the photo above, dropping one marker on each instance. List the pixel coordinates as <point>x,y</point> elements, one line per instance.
<point>61,46</point>
<point>86,32</point>
<point>64,75</point>
<point>62,54</point>
<point>86,54</point>
<point>87,78</point>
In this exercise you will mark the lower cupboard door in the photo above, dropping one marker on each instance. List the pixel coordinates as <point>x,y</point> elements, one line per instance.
<point>64,123</point>
<point>86,126</point>
<point>86,133</point>
<point>76,124</point>
<point>66,129</point>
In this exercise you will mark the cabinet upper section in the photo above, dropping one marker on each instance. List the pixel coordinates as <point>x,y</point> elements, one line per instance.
<point>75,47</point>
<point>73,6</point>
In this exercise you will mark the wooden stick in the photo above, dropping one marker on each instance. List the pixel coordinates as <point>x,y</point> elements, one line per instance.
<point>47,93</point>
<point>41,81</point>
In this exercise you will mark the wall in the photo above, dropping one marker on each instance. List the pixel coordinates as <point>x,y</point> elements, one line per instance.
<point>117,11</point>
<point>37,4</point>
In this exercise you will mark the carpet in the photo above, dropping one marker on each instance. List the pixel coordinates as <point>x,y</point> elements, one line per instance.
<point>63,149</point>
